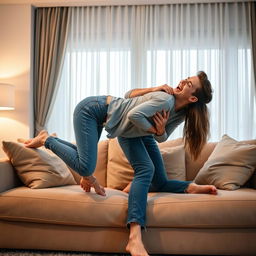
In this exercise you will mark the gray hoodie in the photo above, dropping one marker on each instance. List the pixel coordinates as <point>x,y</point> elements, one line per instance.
<point>132,117</point>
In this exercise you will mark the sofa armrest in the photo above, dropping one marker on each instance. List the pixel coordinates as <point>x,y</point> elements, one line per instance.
<point>8,176</point>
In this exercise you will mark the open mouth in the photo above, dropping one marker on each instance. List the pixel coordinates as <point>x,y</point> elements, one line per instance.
<point>179,88</point>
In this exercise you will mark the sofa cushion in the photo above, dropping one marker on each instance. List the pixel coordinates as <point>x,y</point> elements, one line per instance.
<point>37,168</point>
<point>193,166</point>
<point>229,166</point>
<point>174,162</point>
<point>120,172</point>
<point>67,205</point>
<point>171,143</point>
<point>227,209</point>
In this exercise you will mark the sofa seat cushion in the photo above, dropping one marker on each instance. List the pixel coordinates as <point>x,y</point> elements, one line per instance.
<point>228,209</point>
<point>67,205</point>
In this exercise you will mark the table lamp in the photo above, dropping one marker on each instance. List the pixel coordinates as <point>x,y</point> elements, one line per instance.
<point>6,97</point>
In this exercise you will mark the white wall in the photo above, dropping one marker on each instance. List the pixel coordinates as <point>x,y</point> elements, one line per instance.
<point>16,68</point>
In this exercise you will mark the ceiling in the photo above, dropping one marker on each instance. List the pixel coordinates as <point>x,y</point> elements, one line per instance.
<point>46,3</point>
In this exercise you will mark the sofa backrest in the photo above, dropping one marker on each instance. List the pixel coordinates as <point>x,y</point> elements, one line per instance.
<point>193,166</point>
<point>101,167</point>
<point>9,176</point>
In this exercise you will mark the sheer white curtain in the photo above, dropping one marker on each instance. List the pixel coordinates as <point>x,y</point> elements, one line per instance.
<point>114,49</point>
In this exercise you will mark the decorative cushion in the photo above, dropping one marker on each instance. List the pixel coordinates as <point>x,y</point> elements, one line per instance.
<point>174,162</point>
<point>230,165</point>
<point>37,168</point>
<point>120,172</point>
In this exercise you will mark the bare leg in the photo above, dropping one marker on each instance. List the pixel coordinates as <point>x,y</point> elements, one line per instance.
<point>135,245</point>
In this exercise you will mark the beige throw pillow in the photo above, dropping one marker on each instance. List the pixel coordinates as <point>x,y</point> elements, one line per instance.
<point>120,172</point>
<point>229,166</point>
<point>36,167</point>
<point>174,162</point>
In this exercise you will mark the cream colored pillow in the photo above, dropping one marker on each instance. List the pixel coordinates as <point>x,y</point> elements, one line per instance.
<point>36,167</point>
<point>174,162</point>
<point>120,172</point>
<point>229,166</point>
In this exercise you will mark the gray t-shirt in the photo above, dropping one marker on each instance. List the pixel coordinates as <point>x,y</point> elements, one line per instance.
<point>132,117</point>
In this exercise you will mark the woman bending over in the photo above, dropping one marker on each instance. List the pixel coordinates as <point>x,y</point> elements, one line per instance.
<point>137,122</point>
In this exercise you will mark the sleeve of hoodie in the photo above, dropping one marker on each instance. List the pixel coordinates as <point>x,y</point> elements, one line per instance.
<point>139,115</point>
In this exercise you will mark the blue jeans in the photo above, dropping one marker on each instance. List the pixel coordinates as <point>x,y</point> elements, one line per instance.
<point>89,116</point>
<point>142,152</point>
<point>149,175</point>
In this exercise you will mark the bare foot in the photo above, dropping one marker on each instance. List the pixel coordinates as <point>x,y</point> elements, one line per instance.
<point>135,245</point>
<point>127,188</point>
<point>136,248</point>
<point>193,188</point>
<point>24,141</point>
<point>90,181</point>
<point>38,141</point>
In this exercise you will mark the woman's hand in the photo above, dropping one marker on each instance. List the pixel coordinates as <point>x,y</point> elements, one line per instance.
<point>160,120</point>
<point>165,87</point>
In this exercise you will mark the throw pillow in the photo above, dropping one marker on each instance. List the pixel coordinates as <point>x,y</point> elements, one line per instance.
<point>230,165</point>
<point>36,167</point>
<point>174,162</point>
<point>120,172</point>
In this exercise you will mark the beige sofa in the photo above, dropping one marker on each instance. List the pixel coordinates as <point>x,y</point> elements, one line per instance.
<point>66,218</point>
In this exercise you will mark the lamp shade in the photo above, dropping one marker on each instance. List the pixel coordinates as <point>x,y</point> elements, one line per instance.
<point>6,97</point>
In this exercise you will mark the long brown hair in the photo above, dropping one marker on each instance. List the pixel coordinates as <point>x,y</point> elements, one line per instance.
<point>197,127</point>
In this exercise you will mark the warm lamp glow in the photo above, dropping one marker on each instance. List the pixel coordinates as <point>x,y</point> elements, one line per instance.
<point>6,97</point>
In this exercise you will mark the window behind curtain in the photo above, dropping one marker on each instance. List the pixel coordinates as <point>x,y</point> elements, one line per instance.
<point>114,49</point>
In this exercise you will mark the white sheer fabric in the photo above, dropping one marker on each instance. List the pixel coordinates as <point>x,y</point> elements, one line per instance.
<point>114,49</point>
